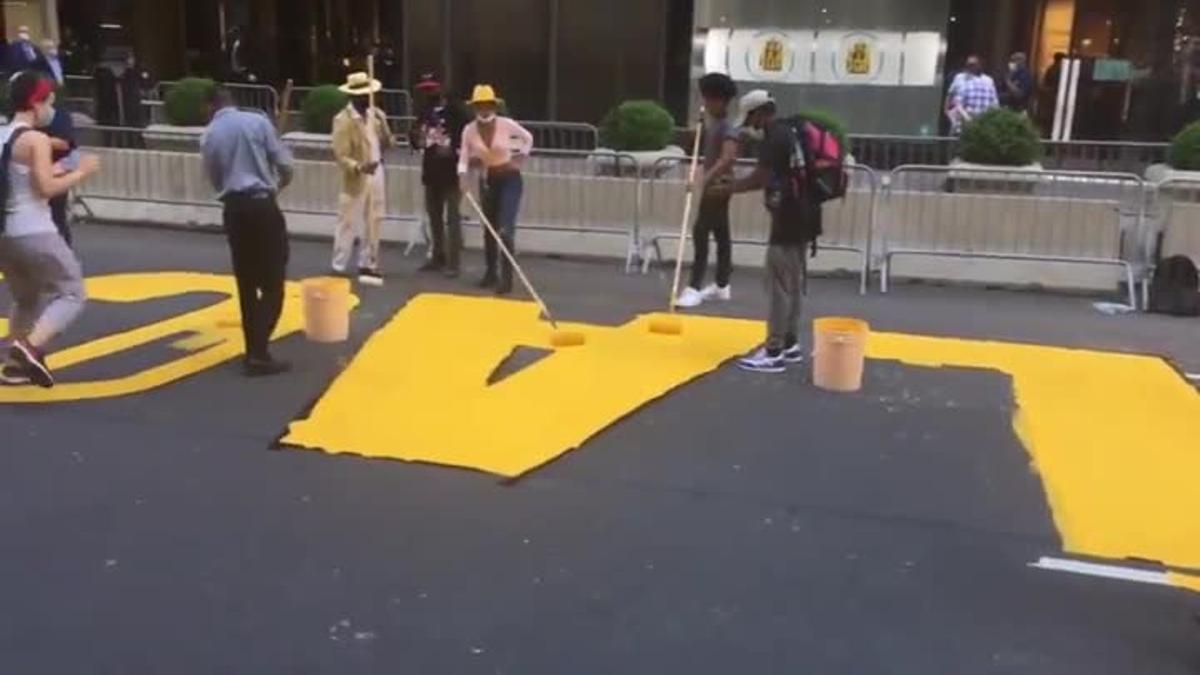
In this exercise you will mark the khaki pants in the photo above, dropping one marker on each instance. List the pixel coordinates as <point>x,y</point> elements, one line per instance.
<point>360,217</point>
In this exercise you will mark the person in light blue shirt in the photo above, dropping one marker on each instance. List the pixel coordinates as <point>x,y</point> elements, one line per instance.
<point>248,165</point>
<point>53,63</point>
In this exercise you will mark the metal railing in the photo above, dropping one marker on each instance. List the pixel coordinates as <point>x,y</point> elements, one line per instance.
<point>1017,215</point>
<point>1103,220</point>
<point>886,153</point>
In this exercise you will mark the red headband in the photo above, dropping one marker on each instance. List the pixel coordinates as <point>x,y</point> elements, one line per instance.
<point>40,93</point>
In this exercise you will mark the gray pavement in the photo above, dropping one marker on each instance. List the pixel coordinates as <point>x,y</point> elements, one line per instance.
<point>742,524</point>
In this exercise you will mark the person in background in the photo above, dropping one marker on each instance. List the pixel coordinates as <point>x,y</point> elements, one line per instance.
<point>720,148</point>
<point>498,145</point>
<point>438,132</point>
<point>971,94</point>
<point>134,84</point>
<point>52,63</point>
<point>22,53</point>
<point>1018,84</point>
<point>43,275</point>
<point>360,135</point>
<point>65,156</point>
<point>248,165</point>
<point>795,222</point>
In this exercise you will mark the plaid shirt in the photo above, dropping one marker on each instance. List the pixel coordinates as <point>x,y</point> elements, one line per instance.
<point>975,93</point>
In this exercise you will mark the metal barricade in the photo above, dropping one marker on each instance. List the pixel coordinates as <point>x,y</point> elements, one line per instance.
<point>884,153</point>
<point>1014,214</point>
<point>584,193</point>
<point>563,135</point>
<point>1176,226</point>
<point>848,223</point>
<point>1108,156</point>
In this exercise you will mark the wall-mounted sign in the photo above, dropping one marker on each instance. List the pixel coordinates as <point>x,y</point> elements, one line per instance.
<point>877,58</point>
<point>770,56</point>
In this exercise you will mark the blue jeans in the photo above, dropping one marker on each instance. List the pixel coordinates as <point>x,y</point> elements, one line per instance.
<point>501,204</point>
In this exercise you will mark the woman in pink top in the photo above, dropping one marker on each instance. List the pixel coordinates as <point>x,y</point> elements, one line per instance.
<point>498,145</point>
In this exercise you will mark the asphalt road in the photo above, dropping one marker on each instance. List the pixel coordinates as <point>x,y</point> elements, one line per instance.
<point>743,524</point>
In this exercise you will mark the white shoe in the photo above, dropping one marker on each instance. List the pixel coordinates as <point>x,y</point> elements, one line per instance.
<point>690,297</point>
<point>761,361</point>
<point>715,292</point>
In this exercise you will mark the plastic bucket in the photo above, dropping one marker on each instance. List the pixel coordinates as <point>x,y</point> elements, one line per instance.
<point>839,353</point>
<point>327,309</point>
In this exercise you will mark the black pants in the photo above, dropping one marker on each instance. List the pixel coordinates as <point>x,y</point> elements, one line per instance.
<point>258,243</point>
<point>442,202</point>
<point>713,219</point>
<point>58,212</point>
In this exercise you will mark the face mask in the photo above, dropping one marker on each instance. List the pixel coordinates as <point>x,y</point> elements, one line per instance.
<point>487,118</point>
<point>753,133</point>
<point>1013,67</point>
<point>45,115</point>
<point>23,36</point>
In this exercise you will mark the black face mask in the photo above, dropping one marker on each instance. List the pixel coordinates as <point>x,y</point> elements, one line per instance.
<point>360,104</point>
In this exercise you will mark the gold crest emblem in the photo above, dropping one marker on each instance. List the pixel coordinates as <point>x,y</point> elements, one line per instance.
<point>858,59</point>
<point>771,59</point>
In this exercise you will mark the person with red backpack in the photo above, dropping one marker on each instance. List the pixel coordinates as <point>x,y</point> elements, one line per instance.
<point>800,166</point>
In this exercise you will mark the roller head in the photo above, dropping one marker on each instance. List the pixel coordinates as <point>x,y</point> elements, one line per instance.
<point>566,338</point>
<point>666,325</point>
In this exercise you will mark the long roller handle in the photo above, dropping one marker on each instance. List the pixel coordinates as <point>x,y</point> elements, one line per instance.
<point>511,259</point>
<point>687,213</point>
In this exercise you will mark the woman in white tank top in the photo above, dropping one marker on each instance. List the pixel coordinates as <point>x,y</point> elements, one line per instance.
<point>42,273</point>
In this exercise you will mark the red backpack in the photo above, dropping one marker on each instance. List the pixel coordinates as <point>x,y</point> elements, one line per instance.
<point>821,176</point>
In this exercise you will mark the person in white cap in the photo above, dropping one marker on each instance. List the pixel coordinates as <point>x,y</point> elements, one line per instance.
<point>360,135</point>
<point>795,223</point>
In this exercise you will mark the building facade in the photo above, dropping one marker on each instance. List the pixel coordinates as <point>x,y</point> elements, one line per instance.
<point>881,64</point>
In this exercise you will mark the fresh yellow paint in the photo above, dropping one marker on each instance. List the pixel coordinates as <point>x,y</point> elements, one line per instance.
<point>208,336</point>
<point>1115,438</point>
<point>418,390</point>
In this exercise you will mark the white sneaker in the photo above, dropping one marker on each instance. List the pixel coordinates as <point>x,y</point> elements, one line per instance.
<point>690,297</point>
<point>794,354</point>
<point>761,361</point>
<point>715,292</point>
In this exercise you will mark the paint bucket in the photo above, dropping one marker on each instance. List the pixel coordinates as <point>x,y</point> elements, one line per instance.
<point>839,353</point>
<point>327,309</point>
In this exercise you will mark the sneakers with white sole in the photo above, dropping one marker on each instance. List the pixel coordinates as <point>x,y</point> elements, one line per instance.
<point>794,354</point>
<point>715,292</point>
<point>12,375</point>
<point>762,361</point>
<point>33,362</point>
<point>689,298</point>
<point>370,277</point>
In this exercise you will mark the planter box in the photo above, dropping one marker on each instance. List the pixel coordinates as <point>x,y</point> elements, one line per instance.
<point>654,164</point>
<point>314,147</point>
<point>987,179</point>
<point>170,138</point>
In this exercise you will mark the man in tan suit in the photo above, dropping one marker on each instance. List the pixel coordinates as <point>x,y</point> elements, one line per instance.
<point>360,135</point>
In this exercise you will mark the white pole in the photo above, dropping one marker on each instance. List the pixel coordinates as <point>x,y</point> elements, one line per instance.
<point>1060,101</point>
<point>1072,94</point>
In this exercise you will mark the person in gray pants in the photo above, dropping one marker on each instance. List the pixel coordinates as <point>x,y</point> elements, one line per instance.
<point>795,222</point>
<point>43,275</point>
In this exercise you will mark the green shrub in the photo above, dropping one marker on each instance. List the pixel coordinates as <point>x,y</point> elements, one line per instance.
<point>320,106</point>
<point>1184,153</point>
<point>830,121</point>
<point>1000,137</point>
<point>637,126</point>
<point>187,102</point>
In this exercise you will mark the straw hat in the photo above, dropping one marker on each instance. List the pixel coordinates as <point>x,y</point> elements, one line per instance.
<point>360,84</point>
<point>484,93</point>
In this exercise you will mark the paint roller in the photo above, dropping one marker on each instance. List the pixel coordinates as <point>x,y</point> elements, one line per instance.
<point>671,324</point>
<point>558,337</point>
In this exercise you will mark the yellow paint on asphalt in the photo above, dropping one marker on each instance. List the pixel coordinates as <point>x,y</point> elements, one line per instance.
<point>211,338</point>
<point>419,389</point>
<point>1114,437</point>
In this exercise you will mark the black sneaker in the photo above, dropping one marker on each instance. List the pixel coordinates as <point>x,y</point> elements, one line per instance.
<point>33,362</point>
<point>267,367</point>
<point>12,375</point>
<point>762,361</point>
<point>370,277</point>
<point>794,354</point>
